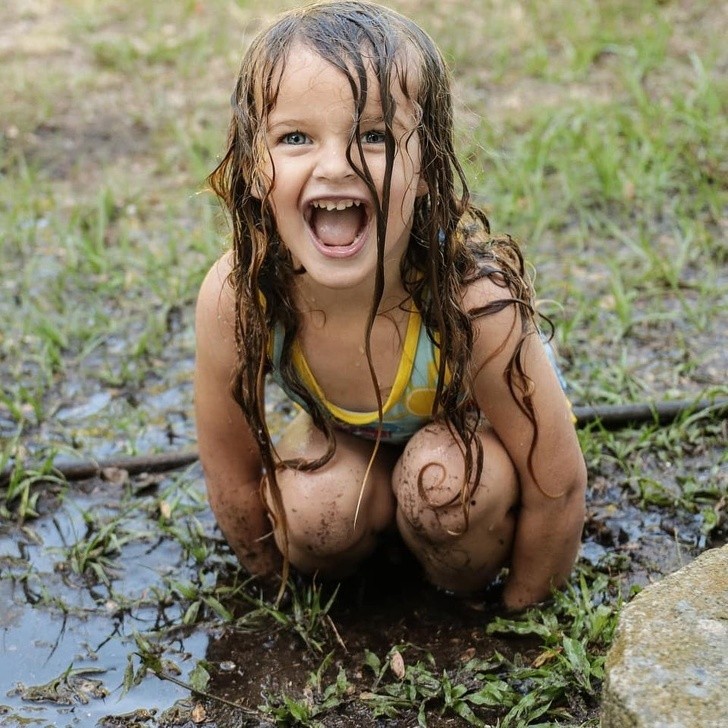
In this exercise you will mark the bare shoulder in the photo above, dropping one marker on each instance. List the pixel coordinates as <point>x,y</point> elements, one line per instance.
<point>508,352</point>
<point>215,293</point>
<point>498,321</point>
<point>215,312</point>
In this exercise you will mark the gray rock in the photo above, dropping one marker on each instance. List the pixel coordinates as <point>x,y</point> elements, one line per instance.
<point>668,665</point>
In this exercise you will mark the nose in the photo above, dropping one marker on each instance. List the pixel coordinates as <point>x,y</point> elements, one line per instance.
<point>331,161</point>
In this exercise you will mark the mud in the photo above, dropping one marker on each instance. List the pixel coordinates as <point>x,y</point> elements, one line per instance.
<point>56,620</point>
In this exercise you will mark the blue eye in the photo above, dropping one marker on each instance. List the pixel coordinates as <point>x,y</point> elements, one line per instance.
<point>295,138</point>
<point>373,137</point>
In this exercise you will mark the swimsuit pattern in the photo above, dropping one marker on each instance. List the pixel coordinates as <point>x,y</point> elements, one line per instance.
<point>409,404</point>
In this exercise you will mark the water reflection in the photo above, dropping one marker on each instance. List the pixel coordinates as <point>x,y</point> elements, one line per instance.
<point>57,622</point>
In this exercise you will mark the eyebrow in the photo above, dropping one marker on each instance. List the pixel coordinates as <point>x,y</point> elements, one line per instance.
<point>284,124</point>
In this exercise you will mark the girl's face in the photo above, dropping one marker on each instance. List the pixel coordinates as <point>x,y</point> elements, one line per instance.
<point>323,211</point>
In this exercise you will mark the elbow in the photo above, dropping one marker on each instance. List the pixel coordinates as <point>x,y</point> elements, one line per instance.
<point>574,501</point>
<point>575,490</point>
<point>565,484</point>
<point>565,501</point>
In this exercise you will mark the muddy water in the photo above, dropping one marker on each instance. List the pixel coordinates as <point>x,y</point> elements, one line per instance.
<point>55,619</point>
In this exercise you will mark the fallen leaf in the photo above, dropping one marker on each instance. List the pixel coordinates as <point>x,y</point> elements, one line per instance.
<point>545,656</point>
<point>198,714</point>
<point>396,662</point>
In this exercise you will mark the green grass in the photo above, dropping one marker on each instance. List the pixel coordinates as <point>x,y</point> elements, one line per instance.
<point>595,132</point>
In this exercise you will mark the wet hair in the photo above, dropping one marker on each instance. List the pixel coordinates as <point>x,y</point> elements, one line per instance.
<point>450,243</point>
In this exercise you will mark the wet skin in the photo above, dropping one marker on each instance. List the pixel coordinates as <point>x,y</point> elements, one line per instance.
<point>527,517</point>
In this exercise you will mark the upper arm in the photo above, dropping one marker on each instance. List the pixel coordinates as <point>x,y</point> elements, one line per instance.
<point>228,451</point>
<point>547,456</point>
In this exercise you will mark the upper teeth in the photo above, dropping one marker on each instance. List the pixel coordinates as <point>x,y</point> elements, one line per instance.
<point>335,204</point>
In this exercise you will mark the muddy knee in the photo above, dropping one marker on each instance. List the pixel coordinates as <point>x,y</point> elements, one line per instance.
<point>328,527</point>
<point>429,485</point>
<point>317,524</point>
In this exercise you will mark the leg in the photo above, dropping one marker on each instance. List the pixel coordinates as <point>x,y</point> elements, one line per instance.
<point>320,505</point>
<point>430,473</point>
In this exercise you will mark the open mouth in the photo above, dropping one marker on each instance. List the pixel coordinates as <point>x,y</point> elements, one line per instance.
<point>338,225</point>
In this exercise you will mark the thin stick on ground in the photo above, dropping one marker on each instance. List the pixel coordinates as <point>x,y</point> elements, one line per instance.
<point>609,416</point>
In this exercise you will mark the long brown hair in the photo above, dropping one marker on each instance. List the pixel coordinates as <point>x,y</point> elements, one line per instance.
<point>450,241</point>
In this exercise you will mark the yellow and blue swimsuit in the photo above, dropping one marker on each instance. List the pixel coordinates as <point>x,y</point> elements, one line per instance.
<point>409,405</point>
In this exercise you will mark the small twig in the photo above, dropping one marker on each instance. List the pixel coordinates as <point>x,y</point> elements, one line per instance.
<point>210,696</point>
<point>336,634</point>
<point>134,465</point>
<point>609,416</point>
<point>620,415</point>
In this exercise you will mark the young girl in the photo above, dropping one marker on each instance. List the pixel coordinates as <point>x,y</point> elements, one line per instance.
<point>364,282</point>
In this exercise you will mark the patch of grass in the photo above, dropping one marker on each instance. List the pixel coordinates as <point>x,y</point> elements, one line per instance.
<point>574,633</point>
<point>93,555</point>
<point>19,496</point>
<point>306,615</point>
<point>318,699</point>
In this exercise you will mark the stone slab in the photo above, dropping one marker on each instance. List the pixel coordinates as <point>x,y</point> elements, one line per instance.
<point>668,665</point>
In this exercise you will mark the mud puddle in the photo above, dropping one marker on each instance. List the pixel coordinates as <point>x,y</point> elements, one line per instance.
<point>68,626</point>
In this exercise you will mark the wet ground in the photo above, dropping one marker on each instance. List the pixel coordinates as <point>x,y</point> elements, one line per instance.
<point>68,627</point>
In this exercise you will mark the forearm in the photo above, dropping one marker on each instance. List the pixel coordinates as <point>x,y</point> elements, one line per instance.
<point>241,516</point>
<point>546,544</point>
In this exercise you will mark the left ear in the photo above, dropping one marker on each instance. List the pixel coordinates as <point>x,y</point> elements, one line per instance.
<point>422,186</point>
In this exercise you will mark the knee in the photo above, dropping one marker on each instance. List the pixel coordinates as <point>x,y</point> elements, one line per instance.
<point>315,525</point>
<point>429,483</point>
<point>327,529</point>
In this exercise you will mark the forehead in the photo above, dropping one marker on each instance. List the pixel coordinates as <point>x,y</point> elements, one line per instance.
<point>305,74</point>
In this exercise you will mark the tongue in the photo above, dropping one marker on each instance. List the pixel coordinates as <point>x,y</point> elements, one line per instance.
<point>336,227</point>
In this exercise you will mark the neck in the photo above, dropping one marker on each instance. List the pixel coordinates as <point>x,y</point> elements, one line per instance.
<point>353,303</point>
